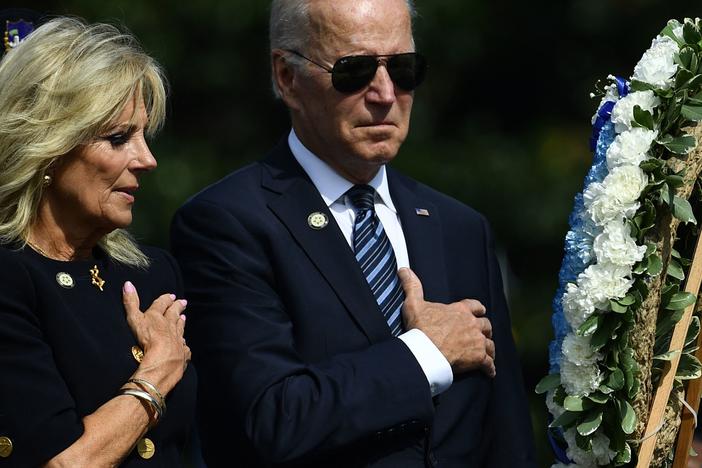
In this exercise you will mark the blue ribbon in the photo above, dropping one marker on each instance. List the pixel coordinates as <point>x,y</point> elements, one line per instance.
<point>604,113</point>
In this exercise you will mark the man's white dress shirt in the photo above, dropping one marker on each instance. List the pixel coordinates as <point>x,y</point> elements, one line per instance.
<point>333,187</point>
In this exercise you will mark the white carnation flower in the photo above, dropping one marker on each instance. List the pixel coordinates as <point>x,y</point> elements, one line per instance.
<point>601,453</point>
<point>582,458</point>
<point>577,306</point>
<point>615,245</point>
<point>577,350</point>
<point>623,111</point>
<point>600,449</point>
<point>630,147</point>
<point>604,281</point>
<point>617,196</point>
<point>580,380</point>
<point>657,66</point>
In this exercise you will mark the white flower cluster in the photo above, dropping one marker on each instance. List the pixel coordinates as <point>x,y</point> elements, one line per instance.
<point>600,454</point>
<point>609,205</point>
<point>657,66</point>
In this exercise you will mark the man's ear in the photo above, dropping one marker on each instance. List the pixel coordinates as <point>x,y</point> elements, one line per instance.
<point>285,75</point>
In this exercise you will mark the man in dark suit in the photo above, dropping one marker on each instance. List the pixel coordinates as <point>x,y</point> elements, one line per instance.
<point>312,349</point>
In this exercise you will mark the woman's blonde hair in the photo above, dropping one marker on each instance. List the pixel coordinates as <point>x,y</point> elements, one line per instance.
<point>60,88</point>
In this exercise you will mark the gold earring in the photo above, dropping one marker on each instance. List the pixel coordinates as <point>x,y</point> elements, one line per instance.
<point>47,180</point>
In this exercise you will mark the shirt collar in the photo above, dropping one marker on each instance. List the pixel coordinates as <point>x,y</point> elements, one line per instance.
<point>329,183</point>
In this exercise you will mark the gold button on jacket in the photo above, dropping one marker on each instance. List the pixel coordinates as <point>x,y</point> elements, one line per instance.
<point>146,448</point>
<point>5,447</point>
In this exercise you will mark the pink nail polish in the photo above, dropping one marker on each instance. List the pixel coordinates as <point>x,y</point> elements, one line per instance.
<point>129,287</point>
<point>184,302</point>
<point>172,296</point>
<point>182,317</point>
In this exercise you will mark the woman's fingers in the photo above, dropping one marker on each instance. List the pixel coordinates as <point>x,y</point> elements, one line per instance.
<point>161,304</point>
<point>180,325</point>
<point>130,298</point>
<point>174,311</point>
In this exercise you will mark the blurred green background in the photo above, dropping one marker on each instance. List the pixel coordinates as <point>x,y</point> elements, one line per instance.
<point>502,122</point>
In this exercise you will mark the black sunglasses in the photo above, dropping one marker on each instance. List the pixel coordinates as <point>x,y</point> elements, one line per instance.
<point>354,72</point>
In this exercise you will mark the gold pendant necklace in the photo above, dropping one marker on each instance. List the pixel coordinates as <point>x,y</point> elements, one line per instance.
<point>94,271</point>
<point>38,249</point>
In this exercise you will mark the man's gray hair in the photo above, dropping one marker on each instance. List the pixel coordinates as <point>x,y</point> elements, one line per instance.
<point>289,28</point>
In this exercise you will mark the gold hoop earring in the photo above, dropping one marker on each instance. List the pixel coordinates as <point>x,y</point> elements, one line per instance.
<point>47,180</point>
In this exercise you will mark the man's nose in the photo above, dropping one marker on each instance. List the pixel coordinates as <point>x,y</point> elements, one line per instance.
<point>381,89</point>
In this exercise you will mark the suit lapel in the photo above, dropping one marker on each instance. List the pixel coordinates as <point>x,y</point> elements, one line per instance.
<point>294,199</point>
<point>423,234</point>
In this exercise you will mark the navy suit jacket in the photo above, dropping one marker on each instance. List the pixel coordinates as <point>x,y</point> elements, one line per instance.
<point>297,365</point>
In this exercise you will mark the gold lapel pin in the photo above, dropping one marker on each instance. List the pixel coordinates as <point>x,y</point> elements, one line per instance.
<point>95,278</point>
<point>317,220</point>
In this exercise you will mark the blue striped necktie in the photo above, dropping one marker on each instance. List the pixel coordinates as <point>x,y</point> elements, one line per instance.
<point>375,256</point>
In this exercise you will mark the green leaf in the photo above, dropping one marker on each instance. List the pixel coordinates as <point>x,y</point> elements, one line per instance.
<point>643,118</point>
<point>577,404</point>
<point>565,420</point>
<point>627,417</point>
<point>668,291</point>
<point>559,396</point>
<point>666,322</point>
<point>691,83</point>
<point>693,330</point>
<point>615,381</point>
<point>667,195</point>
<point>549,382</point>
<point>675,180</point>
<point>590,325</point>
<point>689,368</point>
<point>681,301</point>
<point>651,165</point>
<point>636,85</point>
<point>679,145</point>
<point>605,330</point>
<point>691,34</point>
<point>654,265</point>
<point>627,300</point>
<point>675,270</point>
<point>623,456</point>
<point>683,77</point>
<point>691,112</point>
<point>685,58</point>
<point>683,211</point>
<point>591,423</point>
<point>599,398</point>
<point>667,356</point>
<point>617,307</point>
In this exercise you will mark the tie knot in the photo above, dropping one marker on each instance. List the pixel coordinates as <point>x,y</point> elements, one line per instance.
<point>362,197</point>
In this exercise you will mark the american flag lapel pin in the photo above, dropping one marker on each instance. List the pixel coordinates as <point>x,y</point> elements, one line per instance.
<point>421,211</point>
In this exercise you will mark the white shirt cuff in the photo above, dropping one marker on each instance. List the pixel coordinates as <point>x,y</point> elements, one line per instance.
<point>435,366</point>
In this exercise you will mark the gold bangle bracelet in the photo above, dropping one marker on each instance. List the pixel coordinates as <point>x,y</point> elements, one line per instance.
<point>145,396</point>
<point>152,387</point>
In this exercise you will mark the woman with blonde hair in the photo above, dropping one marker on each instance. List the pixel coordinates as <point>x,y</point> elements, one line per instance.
<point>88,379</point>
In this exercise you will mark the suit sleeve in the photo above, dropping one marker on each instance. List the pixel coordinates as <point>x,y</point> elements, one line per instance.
<point>509,440</point>
<point>244,347</point>
<point>37,412</point>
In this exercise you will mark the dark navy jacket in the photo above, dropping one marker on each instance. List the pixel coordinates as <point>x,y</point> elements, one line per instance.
<point>296,363</point>
<point>64,352</point>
